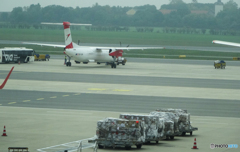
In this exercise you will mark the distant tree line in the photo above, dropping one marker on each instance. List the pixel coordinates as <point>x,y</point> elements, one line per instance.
<point>115,18</point>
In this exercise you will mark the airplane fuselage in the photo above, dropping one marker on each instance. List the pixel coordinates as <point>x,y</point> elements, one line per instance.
<point>89,54</point>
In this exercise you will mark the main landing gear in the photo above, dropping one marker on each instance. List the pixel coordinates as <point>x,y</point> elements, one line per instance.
<point>113,65</point>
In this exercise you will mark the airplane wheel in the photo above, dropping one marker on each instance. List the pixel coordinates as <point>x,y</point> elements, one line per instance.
<point>70,64</point>
<point>111,65</point>
<point>67,64</point>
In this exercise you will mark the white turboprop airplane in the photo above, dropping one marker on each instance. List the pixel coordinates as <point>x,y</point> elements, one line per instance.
<point>226,43</point>
<point>85,54</point>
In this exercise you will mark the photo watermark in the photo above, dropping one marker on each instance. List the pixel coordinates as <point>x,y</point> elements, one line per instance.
<point>212,146</point>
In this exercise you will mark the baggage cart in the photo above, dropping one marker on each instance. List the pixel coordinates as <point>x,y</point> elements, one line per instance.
<point>154,127</point>
<point>114,132</point>
<point>183,120</point>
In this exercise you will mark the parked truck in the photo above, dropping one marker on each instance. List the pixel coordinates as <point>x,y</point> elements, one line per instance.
<point>114,132</point>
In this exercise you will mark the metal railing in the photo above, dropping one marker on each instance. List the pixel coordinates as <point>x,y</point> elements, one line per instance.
<point>75,146</point>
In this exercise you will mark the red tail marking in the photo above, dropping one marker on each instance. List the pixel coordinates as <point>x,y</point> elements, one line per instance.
<point>66,25</point>
<point>116,53</point>
<point>5,81</point>
<point>69,46</point>
<point>67,36</point>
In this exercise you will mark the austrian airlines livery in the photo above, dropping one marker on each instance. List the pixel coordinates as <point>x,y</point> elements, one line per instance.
<point>226,43</point>
<point>5,81</point>
<point>85,54</point>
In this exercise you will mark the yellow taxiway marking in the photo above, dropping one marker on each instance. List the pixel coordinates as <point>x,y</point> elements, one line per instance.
<point>40,98</point>
<point>12,102</point>
<point>96,89</point>
<point>54,97</point>
<point>77,94</point>
<point>26,100</point>
<point>65,95</point>
<point>121,90</point>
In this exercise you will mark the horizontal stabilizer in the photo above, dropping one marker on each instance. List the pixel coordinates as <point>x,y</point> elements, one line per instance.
<point>46,23</point>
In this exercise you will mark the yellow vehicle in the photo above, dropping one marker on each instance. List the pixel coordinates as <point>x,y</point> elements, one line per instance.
<point>41,57</point>
<point>219,64</point>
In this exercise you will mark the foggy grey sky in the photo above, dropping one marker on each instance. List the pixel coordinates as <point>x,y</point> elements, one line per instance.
<point>8,5</point>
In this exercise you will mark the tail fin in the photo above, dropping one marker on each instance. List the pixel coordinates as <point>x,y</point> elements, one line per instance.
<point>5,81</point>
<point>68,36</point>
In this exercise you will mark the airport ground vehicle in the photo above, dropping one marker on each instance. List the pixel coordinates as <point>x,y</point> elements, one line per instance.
<point>115,132</point>
<point>219,64</point>
<point>41,57</point>
<point>183,122</point>
<point>154,126</point>
<point>16,54</point>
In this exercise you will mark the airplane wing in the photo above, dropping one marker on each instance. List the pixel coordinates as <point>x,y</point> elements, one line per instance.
<point>129,48</point>
<point>98,48</point>
<point>226,43</point>
<point>42,44</point>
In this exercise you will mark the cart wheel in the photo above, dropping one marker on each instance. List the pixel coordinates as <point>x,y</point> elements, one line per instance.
<point>128,147</point>
<point>139,146</point>
<point>157,142</point>
<point>100,146</point>
<point>172,137</point>
<point>191,133</point>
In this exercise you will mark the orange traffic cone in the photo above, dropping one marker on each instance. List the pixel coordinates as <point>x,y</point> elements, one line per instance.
<point>4,132</point>
<point>195,144</point>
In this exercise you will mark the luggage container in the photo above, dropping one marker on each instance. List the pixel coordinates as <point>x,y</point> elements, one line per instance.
<point>154,127</point>
<point>183,120</point>
<point>170,122</point>
<point>114,132</point>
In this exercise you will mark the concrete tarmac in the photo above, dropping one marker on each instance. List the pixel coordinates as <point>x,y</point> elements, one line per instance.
<point>46,103</point>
